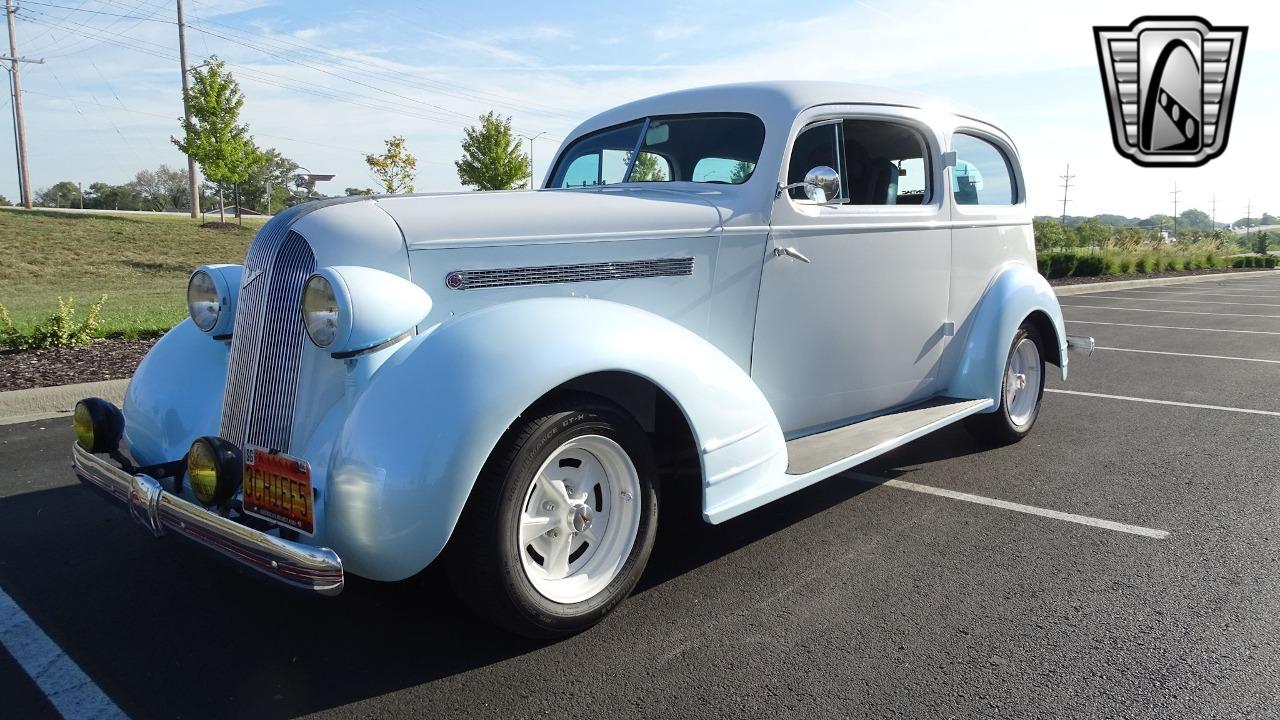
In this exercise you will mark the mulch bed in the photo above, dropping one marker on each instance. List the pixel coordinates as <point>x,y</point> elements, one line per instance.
<point>102,360</point>
<point>1147,276</point>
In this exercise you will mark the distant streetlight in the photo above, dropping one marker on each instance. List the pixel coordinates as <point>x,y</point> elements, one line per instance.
<point>531,139</point>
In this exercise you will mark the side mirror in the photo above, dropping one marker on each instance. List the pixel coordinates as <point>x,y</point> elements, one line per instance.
<point>822,184</point>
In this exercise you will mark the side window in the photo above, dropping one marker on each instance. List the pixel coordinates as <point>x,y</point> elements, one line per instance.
<point>723,170</point>
<point>650,167</point>
<point>599,159</point>
<point>816,145</point>
<point>887,163</point>
<point>982,175</point>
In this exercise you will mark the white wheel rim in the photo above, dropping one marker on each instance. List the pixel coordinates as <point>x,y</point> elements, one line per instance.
<point>1022,382</point>
<point>579,519</point>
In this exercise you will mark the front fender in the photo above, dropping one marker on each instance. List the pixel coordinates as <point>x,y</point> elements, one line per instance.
<point>415,440</point>
<point>175,396</point>
<point>1017,293</point>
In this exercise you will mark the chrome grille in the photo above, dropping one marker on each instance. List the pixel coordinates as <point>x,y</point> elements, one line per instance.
<point>583,272</point>
<point>267,341</point>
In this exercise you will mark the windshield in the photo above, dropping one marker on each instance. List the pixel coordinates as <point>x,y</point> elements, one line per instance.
<point>688,148</point>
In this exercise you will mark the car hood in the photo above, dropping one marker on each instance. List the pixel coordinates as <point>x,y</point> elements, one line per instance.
<point>520,216</point>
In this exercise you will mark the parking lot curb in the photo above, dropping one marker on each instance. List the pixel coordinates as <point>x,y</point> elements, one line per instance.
<point>1084,288</point>
<point>19,406</point>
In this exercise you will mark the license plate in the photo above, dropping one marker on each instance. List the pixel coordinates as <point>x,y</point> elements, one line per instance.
<point>277,487</point>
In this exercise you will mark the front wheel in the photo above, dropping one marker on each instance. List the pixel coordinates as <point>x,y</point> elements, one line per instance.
<point>561,523</point>
<point>1020,392</point>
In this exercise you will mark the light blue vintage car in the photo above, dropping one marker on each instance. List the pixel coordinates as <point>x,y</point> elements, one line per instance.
<point>756,285</point>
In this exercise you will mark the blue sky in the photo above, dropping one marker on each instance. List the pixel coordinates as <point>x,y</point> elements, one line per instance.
<point>328,81</point>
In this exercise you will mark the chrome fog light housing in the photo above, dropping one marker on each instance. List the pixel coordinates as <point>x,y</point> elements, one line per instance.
<point>211,298</point>
<point>99,425</point>
<point>214,469</point>
<point>320,313</point>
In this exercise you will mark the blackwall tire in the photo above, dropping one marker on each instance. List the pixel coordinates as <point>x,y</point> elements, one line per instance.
<point>562,521</point>
<point>1021,390</point>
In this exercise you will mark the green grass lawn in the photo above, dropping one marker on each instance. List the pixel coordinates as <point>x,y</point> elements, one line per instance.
<point>141,262</point>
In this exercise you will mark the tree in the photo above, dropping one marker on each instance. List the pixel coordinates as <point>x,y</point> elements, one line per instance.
<point>1093,233</point>
<point>1194,220</point>
<point>4,202</point>
<point>214,137</point>
<point>62,195</point>
<point>396,168</point>
<point>646,168</point>
<point>1260,242</point>
<point>104,196</point>
<point>1050,235</point>
<point>742,170</point>
<point>491,156</point>
<point>276,173</point>
<point>358,191</point>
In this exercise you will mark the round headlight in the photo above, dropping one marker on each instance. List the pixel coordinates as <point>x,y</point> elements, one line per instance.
<point>320,311</point>
<point>202,300</point>
<point>99,425</point>
<point>214,470</point>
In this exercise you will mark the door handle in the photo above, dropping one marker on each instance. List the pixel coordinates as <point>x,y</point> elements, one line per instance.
<point>791,253</point>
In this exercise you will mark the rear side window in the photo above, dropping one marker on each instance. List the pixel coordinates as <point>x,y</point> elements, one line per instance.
<point>982,175</point>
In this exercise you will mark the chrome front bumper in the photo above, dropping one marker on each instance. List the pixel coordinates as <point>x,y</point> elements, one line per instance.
<point>314,569</point>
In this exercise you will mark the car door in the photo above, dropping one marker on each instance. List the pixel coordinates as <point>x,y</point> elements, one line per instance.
<point>852,316</point>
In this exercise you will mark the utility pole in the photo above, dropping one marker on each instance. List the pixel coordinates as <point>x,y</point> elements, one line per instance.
<point>20,123</point>
<point>186,109</point>
<point>1213,214</point>
<point>1066,185</point>
<point>1248,220</point>
<point>1175,210</point>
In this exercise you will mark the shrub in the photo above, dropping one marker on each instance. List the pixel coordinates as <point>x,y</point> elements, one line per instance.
<point>1144,264</point>
<point>59,330</point>
<point>1088,266</point>
<point>1060,264</point>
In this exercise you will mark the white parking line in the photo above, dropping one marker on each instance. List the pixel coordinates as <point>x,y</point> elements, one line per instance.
<point>68,689</point>
<point>1017,507</point>
<point>1174,327</point>
<point>1179,312</point>
<point>1168,293</point>
<point>1194,355</point>
<point>1224,408</point>
<point>1167,299</point>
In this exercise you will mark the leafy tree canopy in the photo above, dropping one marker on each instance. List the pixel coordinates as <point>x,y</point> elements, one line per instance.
<point>491,156</point>
<point>396,168</point>
<point>215,137</point>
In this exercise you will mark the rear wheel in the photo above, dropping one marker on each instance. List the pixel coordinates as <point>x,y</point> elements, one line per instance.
<point>1021,389</point>
<point>561,523</point>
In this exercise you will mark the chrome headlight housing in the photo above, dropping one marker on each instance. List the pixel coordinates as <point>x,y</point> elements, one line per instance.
<point>211,298</point>
<point>320,313</point>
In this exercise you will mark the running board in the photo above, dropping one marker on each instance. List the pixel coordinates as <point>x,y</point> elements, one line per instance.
<point>857,443</point>
<point>816,457</point>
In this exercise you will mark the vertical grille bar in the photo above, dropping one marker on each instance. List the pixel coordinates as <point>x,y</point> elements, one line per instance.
<point>267,340</point>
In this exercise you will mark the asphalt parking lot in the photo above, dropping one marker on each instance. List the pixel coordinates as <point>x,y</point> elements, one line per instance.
<point>1123,561</point>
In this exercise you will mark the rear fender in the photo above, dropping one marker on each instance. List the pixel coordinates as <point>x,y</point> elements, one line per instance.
<point>416,439</point>
<point>1017,293</point>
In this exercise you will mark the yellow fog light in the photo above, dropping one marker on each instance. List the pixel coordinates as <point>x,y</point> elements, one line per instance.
<point>99,425</point>
<point>214,469</point>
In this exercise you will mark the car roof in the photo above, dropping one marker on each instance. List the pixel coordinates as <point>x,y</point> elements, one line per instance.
<point>773,102</point>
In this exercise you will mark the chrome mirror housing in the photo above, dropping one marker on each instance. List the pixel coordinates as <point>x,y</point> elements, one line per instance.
<point>822,184</point>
